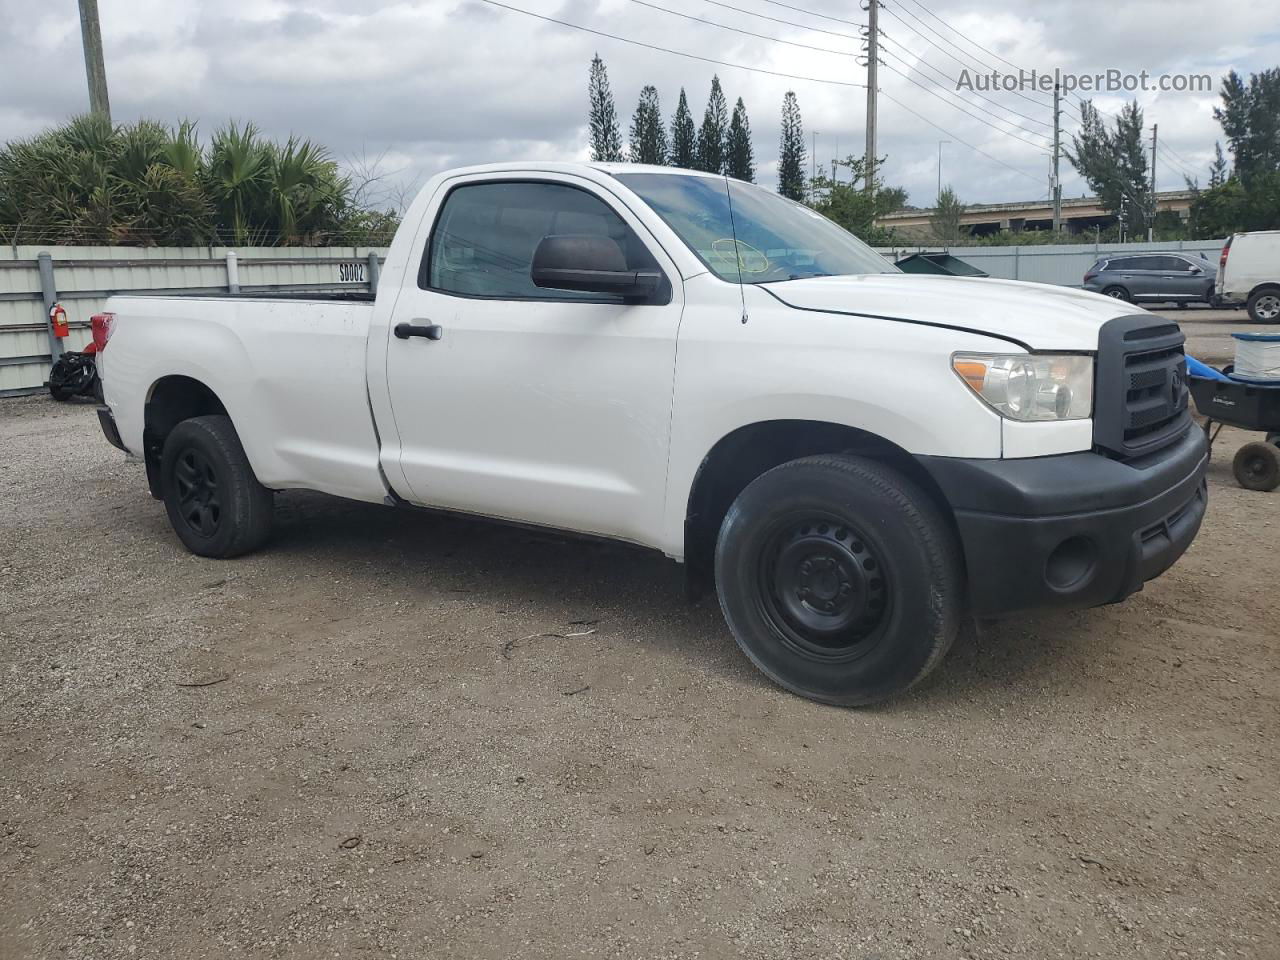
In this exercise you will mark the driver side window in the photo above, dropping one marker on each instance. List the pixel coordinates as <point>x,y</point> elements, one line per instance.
<point>486,233</point>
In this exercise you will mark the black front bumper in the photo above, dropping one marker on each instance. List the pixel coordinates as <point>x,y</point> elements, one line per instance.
<point>1073,530</point>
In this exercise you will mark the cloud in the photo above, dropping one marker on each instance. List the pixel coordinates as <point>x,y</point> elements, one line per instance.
<point>435,83</point>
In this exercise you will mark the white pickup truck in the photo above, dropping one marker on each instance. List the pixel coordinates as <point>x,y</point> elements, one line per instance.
<point>856,458</point>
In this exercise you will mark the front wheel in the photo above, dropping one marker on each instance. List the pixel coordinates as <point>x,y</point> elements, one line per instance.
<point>840,579</point>
<point>215,503</point>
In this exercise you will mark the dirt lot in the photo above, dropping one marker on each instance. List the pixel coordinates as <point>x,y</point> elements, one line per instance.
<point>392,734</point>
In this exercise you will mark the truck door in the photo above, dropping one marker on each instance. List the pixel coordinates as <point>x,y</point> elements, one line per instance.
<point>514,401</point>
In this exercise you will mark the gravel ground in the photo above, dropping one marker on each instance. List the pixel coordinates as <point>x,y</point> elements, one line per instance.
<point>394,734</point>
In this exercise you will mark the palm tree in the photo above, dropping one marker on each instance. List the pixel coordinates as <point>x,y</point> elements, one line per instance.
<point>235,177</point>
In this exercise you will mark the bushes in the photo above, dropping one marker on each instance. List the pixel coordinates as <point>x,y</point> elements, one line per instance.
<point>150,185</point>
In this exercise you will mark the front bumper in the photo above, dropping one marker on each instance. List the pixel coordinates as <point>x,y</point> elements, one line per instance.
<point>1073,530</point>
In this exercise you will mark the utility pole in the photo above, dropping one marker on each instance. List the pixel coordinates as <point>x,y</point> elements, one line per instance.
<point>873,56</point>
<point>938,195</point>
<point>1057,151</point>
<point>1151,222</point>
<point>94,66</point>
<point>813,159</point>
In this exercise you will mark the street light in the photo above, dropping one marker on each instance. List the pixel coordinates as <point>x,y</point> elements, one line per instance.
<point>940,143</point>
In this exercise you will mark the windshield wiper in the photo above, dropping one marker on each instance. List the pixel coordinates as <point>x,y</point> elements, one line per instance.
<point>794,276</point>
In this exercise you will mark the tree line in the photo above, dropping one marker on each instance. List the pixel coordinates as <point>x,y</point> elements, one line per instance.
<point>147,184</point>
<point>722,144</point>
<point>1241,194</point>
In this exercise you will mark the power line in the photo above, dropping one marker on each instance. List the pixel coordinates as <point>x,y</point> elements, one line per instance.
<point>678,53</point>
<point>787,23</point>
<point>813,13</point>
<point>957,139</point>
<point>1015,125</point>
<point>760,36</point>
<point>848,36</point>
<point>748,33</point>
<point>963,37</point>
<point>921,62</point>
<point>951,56</point>
<point>932,93</point>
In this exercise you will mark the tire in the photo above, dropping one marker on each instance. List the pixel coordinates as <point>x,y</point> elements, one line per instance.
<point>1257,466</point>
<point>1264,305</point>
<point>216,505</point>
<point>839,578</point>
<point>1119,293</point>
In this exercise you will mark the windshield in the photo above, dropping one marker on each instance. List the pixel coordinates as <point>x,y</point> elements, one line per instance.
<point>766,239</point>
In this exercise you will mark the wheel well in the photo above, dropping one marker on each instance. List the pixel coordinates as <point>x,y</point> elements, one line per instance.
<point>172,400</point>
<point>749,451</point>
<point>1268,285</point>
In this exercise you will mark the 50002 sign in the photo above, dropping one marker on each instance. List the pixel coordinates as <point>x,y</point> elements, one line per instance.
<point>351,272</point>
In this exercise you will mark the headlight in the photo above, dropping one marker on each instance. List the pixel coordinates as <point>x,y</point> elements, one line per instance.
<point>1025,386</point>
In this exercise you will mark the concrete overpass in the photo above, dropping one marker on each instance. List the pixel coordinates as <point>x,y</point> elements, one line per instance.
<point>1079,215</point>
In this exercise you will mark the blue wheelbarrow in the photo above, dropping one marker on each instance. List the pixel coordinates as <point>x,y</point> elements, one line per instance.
<point>1254,405</point>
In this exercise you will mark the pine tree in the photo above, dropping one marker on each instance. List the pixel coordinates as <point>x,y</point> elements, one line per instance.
<point>1114,163</point>
<point>648,133</point>
<point>740,159</point>
<point>1217,169</point>
<point>684,136</point>
<point>715,126</point>
<point>791,155</point>
<point>606,139</point>
<point>944,224</point>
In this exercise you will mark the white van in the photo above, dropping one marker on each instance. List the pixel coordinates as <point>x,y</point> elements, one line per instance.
<point>1249,272</point>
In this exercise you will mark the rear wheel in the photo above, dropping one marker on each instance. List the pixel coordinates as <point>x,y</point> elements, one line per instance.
<point>1264,305</point>
<point>1257,466</point>
<point>1119,293</point>
<point>840,579</point>
<point>215,503</point>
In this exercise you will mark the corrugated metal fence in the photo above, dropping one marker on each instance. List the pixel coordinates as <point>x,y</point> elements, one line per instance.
<point>1063,264</point>
<point>81,278</point>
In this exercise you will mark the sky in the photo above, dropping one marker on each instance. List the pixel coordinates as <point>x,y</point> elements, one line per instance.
<point>409,88</point>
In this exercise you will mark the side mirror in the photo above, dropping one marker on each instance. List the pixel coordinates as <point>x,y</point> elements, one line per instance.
<point>590,263</point>
<point>1195,269</point>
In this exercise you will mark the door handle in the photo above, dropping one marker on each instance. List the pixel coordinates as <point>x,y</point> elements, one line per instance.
<point>431,331</point>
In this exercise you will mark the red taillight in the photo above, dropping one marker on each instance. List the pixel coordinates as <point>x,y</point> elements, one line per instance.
<point>1089,276</point>
<point>101,324</point>
<point>1226,248</point>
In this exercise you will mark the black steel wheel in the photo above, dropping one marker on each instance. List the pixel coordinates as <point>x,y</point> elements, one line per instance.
<point>839,578</point>
<point>215,503</point>
<point>823,586</point>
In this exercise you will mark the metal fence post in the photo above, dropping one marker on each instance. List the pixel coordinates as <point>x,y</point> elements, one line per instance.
<point>375,271</point>
<point>1015,262</point>
<point>233,273</point>
<point>50,293</point>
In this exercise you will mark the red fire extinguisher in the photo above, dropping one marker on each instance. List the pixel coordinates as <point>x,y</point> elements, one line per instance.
<point>58,318</point>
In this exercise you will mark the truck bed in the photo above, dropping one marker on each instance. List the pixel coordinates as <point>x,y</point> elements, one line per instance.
<point>290,371</point>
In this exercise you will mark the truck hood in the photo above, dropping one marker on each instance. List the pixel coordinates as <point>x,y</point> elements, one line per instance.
<point>1039,315</point>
